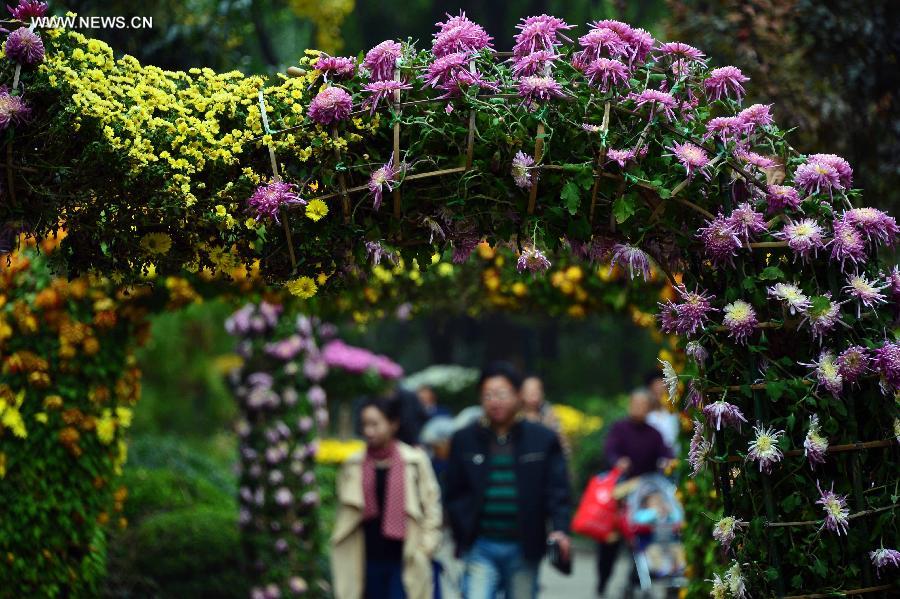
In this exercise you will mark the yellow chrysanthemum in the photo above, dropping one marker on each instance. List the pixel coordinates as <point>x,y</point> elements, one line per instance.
<point>304,287</point>
<point>156,244</point>
<point>316,210</point>
<point>106,427</point>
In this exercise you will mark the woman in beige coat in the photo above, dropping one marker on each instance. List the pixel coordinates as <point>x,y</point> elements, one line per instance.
<point>389,515</point>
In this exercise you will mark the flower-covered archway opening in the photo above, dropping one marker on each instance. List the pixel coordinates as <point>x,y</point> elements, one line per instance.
<point>608,143</point>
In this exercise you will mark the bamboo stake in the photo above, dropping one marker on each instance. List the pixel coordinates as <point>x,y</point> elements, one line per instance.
<point>538,153</point>
<point>396,157</point>
<point>342,181</point>
<point>860,446</point>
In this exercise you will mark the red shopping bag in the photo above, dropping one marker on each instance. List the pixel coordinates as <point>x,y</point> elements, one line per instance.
<point>598,512</point>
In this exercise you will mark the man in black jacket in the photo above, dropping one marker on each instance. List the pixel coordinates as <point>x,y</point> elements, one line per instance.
<point>506,480</point>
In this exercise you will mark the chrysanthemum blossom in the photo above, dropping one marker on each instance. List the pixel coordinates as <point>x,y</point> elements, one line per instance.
<point>377,252</point>
<point>696,352</point>
<point>886,360</point>
<point>659,101</point>
<point>847,244</point>
<point>804,237</point>
<point>876,225</point>
<point>893,279</point>
<point>726,529</point>
<point>835,508</point>
<point>817,177</point>
<point>754,159</point>
<point>755,115</point>
<point>331,105</point>
<point>383,90</point>
<point>699,450</point>
<point>692,157</point>
<point>828,375</point>
<point>734,578</point>
<point>381,60</point>
<point>682,56</point>
<point>726,128</point>
<point>27,10</point>
<point>445,69</point>
<point>602,40</point>
<point>868,294</point>
<point>633,258</point>
<point>335,67</point>
<point>13,110</point>
<point>740,319</point>
<point>823,315</point>
<point>719,240</point>
<point>845,172</point>
<point>620,157</point>
<point>884,558</point>
<point>747,222</point>
<point>539,89</point>
<point>459,34</point>
<point>385,177</point>
<point>606,72</point>
<point>542,32</point>
<point>693,312</point>
<point>853,363</point>
<point>267,200</point>
<point>522,170</point>
<point>794,299</point>
<point>721,413</point>
<point>670,377</point>
<point>782,197</point>
<point>815,446</point>
<point>535,63</point>
<point>533,260</point>
<point>25,47</point>
<point>724,82</point>
<point>764,448</point>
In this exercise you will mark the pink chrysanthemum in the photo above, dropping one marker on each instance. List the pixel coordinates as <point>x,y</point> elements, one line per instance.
<point>696,352</point>
<point>459,34</point>
<point>331,105</point>
<point>754,159</point>
<point>539,89</point>
<point>620,157</point>
<point>658,101</point>
<point>721,413</point>
<point>533,260</point>
<point>853,363</point>
<point>534,64</point>
<point>828,374</point>
<point>815,446</point>
<point>875,224</point>
<point>756,115</point>
<point>746,222</point>
<point>803,236</point>
<point>817,177</point>
<point>782,197</point>
<point>764,448</point>
<point>27,10</point>
<point>725,81</point>
<point>845,172</point>
<point>886,361</point>
<point>445,68</point>
<point>795,300</point>
<point>867,293</point>
<point>268,199</point>
<point>682,55</point>
<point>13,110</point>
<point>383,178</point>
<point>336,67</point>
<point>522,170</point>
<point>836,512</point>
<point>606,72</point>
<point>719,240</point>
<point>668,317</point>
<point>25,47</point>
<point>884,558</point>
<point>383,90</point>
<point>847,244</point>
<point>823,316</point>
<point>381,60</point>
<point>599,40</point>
<point>693,311</point>
<point>725,530</point>
<point>699,451</point>
<point>726,128</point>
<point>633,258</point>
<point>539,33</point>
<point>740,319</point>
<point>692,157</point>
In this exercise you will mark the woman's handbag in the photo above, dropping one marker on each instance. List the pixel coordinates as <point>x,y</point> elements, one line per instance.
<point>597,516</point>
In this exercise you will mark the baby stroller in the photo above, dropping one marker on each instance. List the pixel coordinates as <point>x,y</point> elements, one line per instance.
<point>652,522</point>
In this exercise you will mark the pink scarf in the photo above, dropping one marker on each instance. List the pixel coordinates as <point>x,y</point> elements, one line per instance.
<point>393,525</point>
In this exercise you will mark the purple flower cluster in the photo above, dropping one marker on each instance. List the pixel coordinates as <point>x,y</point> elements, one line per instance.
<point>331,105</point>
<point>764,448</point>
<point>725,81</point>
<point>853,363</point>
<point>253,319</point>
<point>539,88</point>
<point>686,317</point>
<point>885,558</point>
<point>782,197</point>
<point>533,260</point>
<point>381,60</point>
<point>631,257</point>
<point>692,157</point>
<point>741,321</point>
<point>720,240</point>
<point>523,172</point>
<point>746,222</point>
<point>824,173</point>
<point>721,413</point>
<point>384,177</point>
<point>382,90</point>
<point>867,293</point>
<point>658,100</point>
<point>268,199</point>
<point>607,72</point>
<point>459,34</point>
<point>815,445</point>
<point>27,10</point>
<point>613,39</point>
<point>357,360</point>
<point>804,237</point>
<point>335,67</point>
<point>13,110</point>
<point>835,507</point>
<point>700,448</point>
<point>886,361</point>
<point>25,47</point>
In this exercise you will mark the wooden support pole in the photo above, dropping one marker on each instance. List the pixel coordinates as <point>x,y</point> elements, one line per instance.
<point>396,155</point>
<point>342,180</point>
<point>538,154</point>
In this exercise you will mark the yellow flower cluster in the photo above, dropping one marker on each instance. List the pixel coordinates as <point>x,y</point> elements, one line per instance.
<point>575,423</point>
<point>328,16</point>
<point>10,416</point>
<point>336,451</point>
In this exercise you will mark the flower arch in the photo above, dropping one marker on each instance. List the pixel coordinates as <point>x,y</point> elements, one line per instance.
<point>612,146</point>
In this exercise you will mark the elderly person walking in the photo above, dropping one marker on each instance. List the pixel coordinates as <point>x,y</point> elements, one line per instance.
<point>388,522</point>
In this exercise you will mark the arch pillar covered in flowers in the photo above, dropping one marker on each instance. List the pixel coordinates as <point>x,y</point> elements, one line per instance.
<point>615,147</point>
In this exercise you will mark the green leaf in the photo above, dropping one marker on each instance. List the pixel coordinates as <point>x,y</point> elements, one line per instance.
<point>749,284</point>
<point>623,208</point>
<point>571,195</point>
<point>771,273</point>
<point>775,390</point>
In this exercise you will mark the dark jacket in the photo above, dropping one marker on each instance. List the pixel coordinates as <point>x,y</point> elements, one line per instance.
<point>542,484</point>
